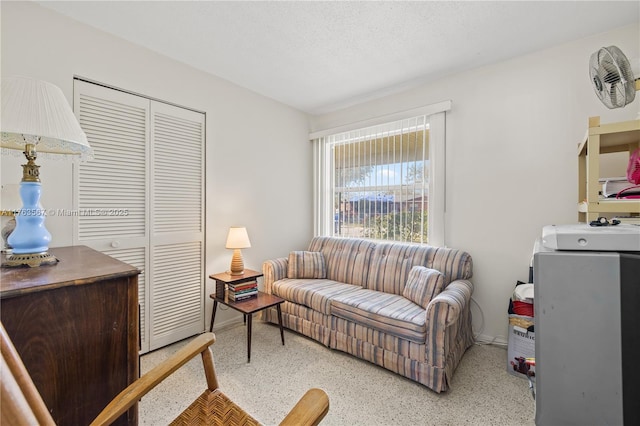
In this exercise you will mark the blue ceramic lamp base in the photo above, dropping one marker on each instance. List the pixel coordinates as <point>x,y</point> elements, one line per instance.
<point>30,239</point>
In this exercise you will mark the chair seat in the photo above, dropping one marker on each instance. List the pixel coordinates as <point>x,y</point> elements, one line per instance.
<point>214,408</point>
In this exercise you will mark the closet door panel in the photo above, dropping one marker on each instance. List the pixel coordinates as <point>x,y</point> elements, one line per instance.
<point>176,223</point>
<point>177,293</point>
<point>112,188</point>
<point>178,171</point>
<point>111,197</point>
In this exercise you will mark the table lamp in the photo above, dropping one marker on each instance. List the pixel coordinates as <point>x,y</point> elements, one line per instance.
<point>36,118</point>
<point>237,239</point>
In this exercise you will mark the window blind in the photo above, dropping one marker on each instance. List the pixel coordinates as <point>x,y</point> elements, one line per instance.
<point>384,182</point>
<point>380,178</point>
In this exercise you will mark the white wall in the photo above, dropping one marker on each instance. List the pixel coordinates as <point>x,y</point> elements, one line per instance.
<point>257,158</point>
<point>511,156</point>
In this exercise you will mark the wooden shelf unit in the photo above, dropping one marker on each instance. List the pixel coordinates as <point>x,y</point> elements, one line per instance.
<point>602,139</point>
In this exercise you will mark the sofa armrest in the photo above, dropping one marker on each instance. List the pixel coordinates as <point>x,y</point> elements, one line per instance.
<point>274,270</point>
<point>447,314</point>
<point>445,308</point>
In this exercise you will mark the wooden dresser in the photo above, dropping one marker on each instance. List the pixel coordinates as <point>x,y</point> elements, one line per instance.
<point>75,326</point>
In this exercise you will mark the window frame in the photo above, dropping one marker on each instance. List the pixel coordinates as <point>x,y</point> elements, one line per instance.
<point>323,209</point>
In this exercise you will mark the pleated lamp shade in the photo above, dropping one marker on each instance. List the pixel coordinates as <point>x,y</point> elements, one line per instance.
<point>37,112</point>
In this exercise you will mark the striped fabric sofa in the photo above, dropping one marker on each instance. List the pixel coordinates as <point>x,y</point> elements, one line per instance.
<point>404,307</point>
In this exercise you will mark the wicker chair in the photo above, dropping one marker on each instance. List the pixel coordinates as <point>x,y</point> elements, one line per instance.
<point>22,404</point>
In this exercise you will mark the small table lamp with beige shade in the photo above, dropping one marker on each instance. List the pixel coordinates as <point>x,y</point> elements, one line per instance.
<point>36,119</point>
<point>237,239</point>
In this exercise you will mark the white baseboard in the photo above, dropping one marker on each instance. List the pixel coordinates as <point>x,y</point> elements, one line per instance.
<point>225,324</point>
<point>484,339</point>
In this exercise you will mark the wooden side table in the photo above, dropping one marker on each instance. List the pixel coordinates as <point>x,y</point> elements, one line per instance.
<point>247,306</point>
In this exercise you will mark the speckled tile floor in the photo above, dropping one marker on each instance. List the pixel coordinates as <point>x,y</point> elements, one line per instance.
<point>360,393</point>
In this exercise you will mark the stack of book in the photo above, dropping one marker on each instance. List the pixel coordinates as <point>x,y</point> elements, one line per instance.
<point>242,291</point>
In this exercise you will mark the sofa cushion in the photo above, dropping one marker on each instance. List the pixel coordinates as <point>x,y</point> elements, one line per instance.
<point>347,259</point>
<point>392,262</point>
<point>312,293</point>
<point>422,285</point>
<point>306,264</point>
<point>385,312</point>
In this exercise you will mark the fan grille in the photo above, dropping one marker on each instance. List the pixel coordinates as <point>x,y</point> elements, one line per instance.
<point>612,77</point>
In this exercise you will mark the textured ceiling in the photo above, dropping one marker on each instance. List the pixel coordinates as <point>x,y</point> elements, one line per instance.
<point>322,56</point>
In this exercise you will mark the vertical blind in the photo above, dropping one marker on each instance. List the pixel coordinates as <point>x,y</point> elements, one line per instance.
<point>376,181</point>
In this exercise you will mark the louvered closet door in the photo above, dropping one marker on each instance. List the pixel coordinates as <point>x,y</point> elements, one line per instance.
<point>112,197</point>
<point>141,200</point>
<point>176,224</point>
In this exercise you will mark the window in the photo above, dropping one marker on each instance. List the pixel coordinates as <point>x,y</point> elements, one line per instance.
<point>382,182</point>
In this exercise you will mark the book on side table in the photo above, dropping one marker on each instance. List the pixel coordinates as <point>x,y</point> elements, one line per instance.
<point>242,291</point>
<point>236,287</point>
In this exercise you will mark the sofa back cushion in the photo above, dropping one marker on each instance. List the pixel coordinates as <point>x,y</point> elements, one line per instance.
<point>392,262</point>
<point>346,259</point>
